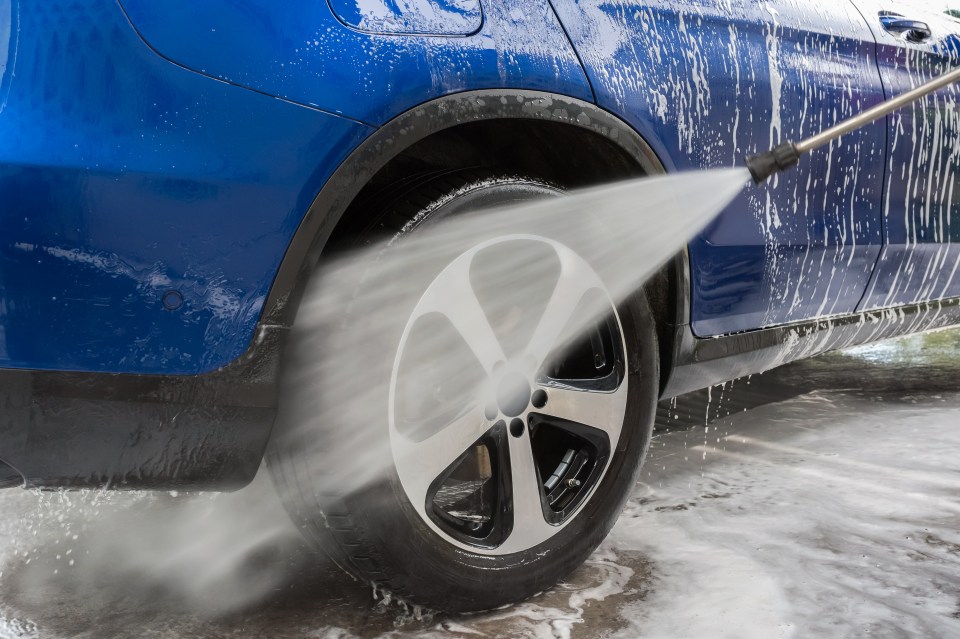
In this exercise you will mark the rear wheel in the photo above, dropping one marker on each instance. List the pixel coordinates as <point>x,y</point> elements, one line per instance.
<point>512,468</point>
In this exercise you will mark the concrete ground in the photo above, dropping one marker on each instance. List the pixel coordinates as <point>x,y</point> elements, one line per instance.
<point>829,508</point>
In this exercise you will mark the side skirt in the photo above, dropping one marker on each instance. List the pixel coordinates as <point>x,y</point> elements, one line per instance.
<point>699,363</point>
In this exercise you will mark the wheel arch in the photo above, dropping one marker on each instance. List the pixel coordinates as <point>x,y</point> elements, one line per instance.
<point>528,132</point>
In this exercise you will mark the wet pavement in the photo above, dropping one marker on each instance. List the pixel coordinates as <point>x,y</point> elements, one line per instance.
<point>820,499</point>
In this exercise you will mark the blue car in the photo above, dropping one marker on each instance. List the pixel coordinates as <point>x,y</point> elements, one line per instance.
<point>175,176</point>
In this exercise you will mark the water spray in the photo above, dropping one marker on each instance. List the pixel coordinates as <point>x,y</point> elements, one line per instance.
<point>786,155</point>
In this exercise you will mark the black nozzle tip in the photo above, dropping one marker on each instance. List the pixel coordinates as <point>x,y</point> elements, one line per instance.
<point>778,159</point>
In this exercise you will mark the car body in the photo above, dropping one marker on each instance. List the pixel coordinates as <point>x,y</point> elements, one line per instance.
<point>171,172</point>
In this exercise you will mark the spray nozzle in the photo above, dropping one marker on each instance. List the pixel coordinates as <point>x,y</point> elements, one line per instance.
<point>778,159</point>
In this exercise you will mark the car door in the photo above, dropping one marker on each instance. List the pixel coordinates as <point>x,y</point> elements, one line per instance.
<point>709,82</point>
<point>921,202</point>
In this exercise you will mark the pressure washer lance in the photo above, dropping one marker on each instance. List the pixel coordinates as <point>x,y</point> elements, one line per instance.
<point>785,155</point>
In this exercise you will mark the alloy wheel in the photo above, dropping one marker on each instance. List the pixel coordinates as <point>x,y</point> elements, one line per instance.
<point>508,394</point>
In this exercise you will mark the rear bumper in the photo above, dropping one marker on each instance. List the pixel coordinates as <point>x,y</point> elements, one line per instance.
<point>96,430</point>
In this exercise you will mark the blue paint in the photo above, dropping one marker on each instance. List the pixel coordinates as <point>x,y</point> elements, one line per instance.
<point>298,50</point>
<point>921,259</point>
<point>710,82</point>
<point>122,177</point>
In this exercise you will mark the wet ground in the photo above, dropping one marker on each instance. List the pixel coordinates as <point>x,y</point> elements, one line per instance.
<point>818,500</point>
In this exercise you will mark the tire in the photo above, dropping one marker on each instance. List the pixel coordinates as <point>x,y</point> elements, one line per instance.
<point>418,541</point>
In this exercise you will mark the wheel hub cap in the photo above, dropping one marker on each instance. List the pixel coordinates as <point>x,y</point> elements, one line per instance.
<point>513,394</point>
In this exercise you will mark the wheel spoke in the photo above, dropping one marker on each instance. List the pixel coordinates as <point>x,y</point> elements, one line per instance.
<point>529,525</point>
<point>601,410</point>
<point>453,296</point>
<point>419,463</point>
<point>557,326</point>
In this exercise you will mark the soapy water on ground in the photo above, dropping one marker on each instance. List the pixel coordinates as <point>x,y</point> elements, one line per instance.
<point>794,519</point>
